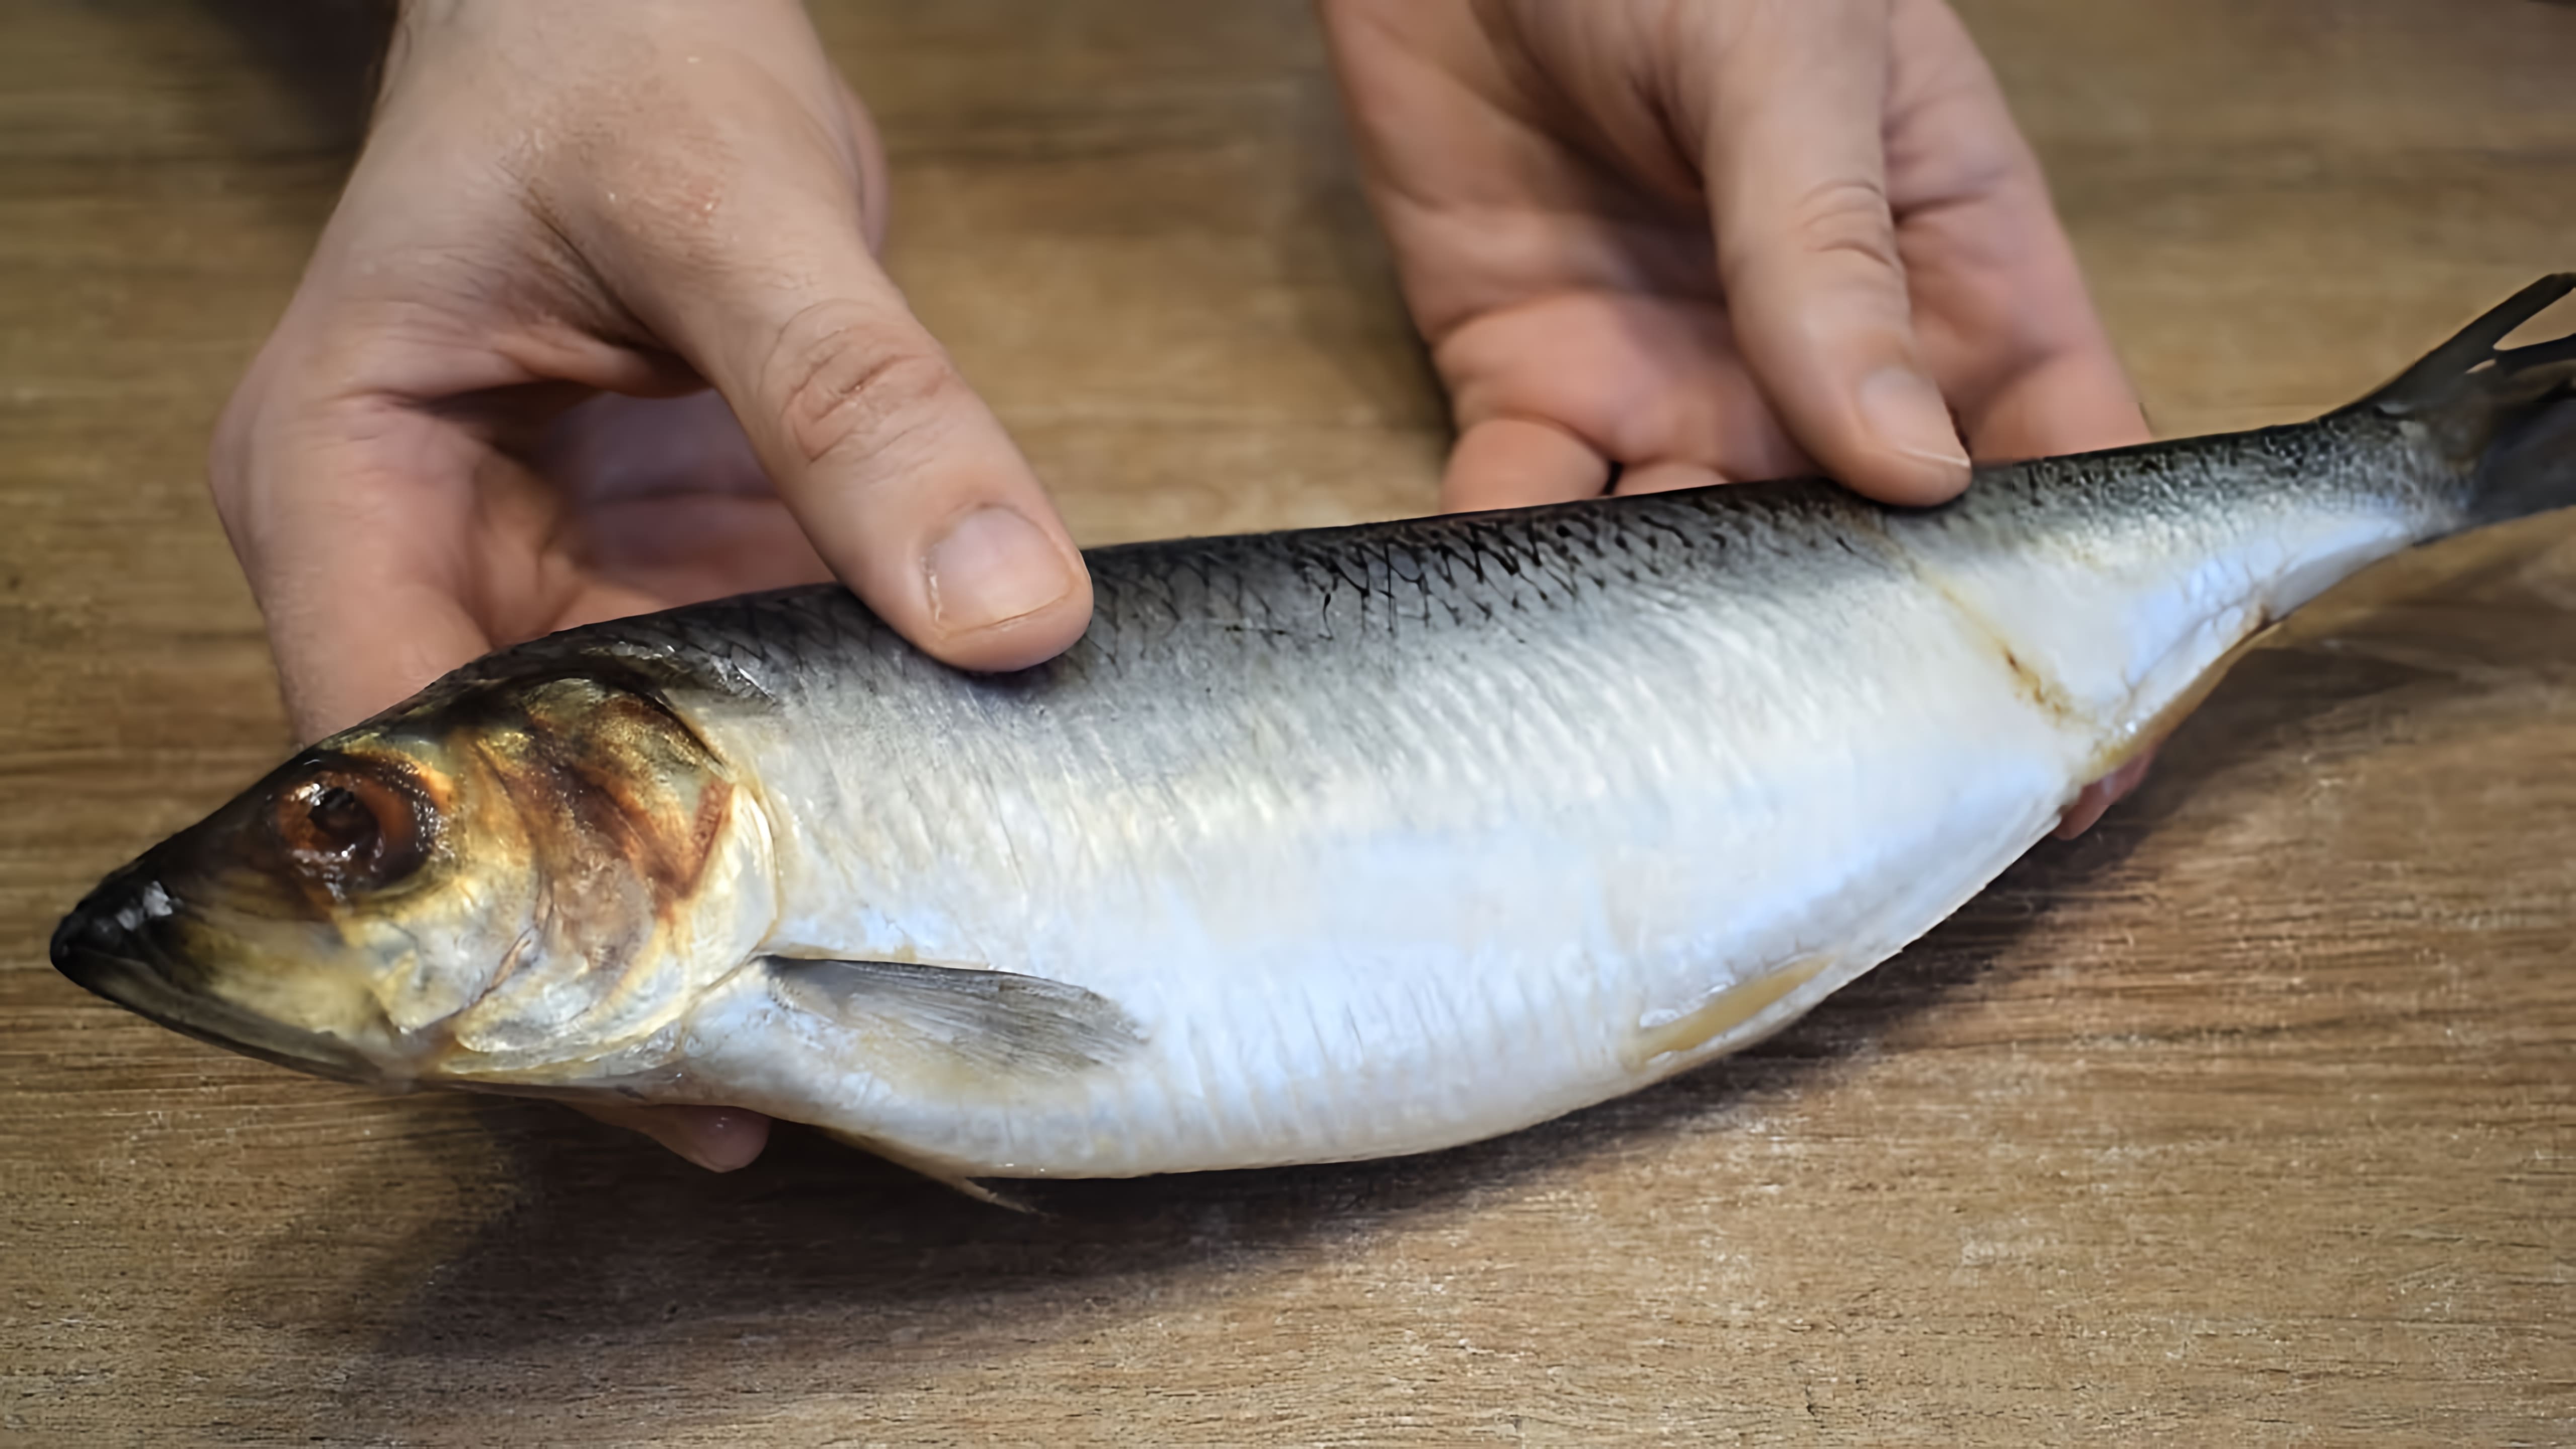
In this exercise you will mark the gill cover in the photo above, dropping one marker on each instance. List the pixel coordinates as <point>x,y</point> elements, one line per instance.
<point>616,821</point>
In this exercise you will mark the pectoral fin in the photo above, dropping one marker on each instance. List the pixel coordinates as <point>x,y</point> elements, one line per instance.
<point>958,1028</point>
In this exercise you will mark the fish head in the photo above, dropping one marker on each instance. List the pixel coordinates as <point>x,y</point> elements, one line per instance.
<point>507,884</point>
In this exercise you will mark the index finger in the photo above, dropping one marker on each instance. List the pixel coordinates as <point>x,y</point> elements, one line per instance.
<point>1788,107</point>
<point>350,517</point>
<point>2000,307</point>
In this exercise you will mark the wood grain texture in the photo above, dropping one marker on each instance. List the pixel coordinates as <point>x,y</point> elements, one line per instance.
<point>2247,1119</point>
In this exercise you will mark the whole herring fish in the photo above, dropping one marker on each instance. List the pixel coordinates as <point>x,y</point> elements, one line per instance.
<point>1320,845</point>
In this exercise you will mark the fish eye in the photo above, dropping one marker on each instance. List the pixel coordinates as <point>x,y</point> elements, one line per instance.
<point>350,828</point>
<point>341,824</point>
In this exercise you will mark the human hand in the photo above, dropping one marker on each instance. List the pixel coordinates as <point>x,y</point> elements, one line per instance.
<point>1656,244</point>
<point>482,417</point>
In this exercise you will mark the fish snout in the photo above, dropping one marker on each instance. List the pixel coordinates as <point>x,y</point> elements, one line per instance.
<point>117,944</point>
<point>112,923</point>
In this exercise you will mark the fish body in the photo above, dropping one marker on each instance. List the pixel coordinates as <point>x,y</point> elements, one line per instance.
<point>1322,845</point>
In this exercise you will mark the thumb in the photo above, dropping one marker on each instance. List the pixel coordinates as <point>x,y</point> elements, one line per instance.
<point>901,477</point>
<point>1790,110</point>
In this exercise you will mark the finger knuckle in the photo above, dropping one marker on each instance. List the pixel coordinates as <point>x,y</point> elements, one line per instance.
<point>844,387</point>
<point>681,215</point>
<point>585,171</point>
<point>1844,218</point>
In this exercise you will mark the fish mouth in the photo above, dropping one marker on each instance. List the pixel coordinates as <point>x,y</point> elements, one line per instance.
<point>105,946</point>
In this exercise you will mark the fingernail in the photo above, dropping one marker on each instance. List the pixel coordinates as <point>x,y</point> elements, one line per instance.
<point>992,567</point>
<point>724,1140</point>
<point>686,1149</point>
<point>1907,414</point>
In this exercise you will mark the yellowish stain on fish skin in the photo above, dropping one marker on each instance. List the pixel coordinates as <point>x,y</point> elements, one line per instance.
<point>1721,1013</point>
<point>2040,689</point>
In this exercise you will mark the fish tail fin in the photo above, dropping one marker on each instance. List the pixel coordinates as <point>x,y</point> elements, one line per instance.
<point>2507,416</point>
